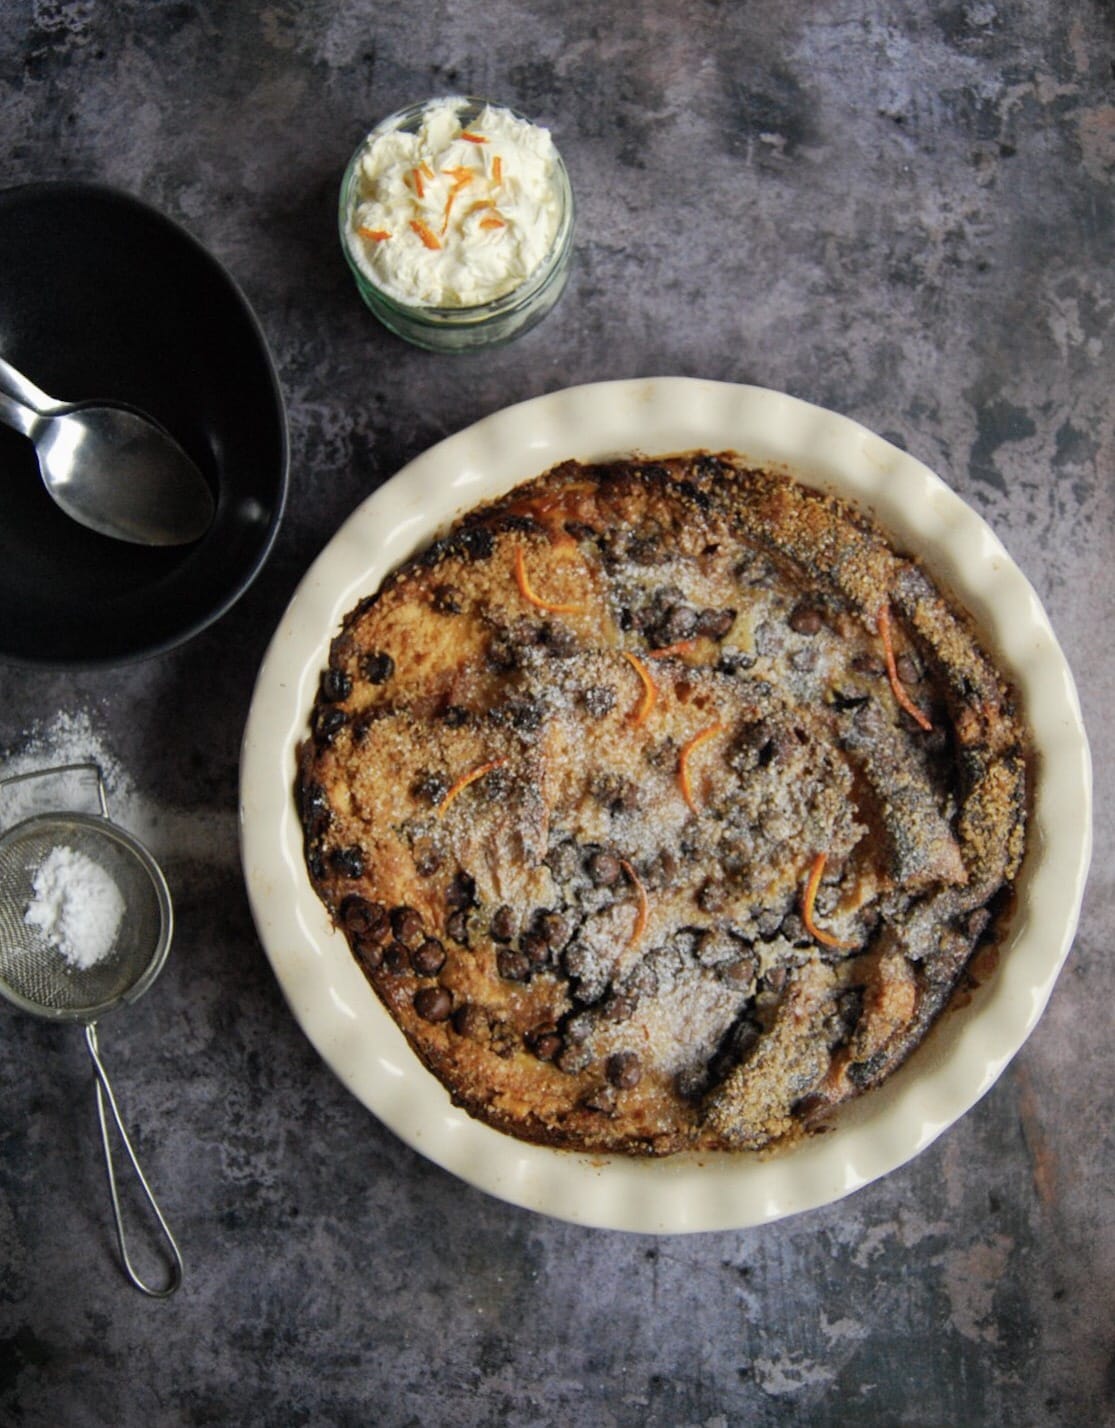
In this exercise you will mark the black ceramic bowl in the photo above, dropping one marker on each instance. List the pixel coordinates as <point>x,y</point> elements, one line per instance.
<point>101,296</point>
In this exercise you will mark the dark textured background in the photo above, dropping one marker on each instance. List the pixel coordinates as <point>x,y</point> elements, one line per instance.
<point>902,211</point>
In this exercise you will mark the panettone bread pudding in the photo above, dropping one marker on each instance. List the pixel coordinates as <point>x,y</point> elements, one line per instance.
<point>663,803</point>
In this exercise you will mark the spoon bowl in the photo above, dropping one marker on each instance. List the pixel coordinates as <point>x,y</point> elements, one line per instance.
<point>109,466</point>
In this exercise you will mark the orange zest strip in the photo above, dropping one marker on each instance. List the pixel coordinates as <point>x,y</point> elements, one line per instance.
<point>448,209</point>
<point>478,205</point>
<point>644,905</point>
<point>650,689</point>
<point>374,235</point>
<point>683,761</point>
<point>528,594</point>
<point>463,783</point>
<point>419,188</point>
<point>825,938</point>
<point>431,240</point>
<point>882,622</point>
<point>472,138</point>
<point>461,175</point>
<point>664,651</point>
<point>494,221</point>
<point>425,170</point>
<point>497,169</point>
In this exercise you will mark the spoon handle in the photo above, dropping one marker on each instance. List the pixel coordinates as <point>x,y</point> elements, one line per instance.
<point>15,414</point>
<point>15,385</point>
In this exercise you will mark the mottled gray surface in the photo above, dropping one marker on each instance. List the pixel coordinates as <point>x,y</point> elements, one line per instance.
<point>902,211</point>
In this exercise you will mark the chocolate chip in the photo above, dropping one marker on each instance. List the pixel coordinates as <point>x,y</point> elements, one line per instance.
<point>601,1099</point>
<point>502,657</point>
<point>563,861</point>
<point>535,948</point>
<point>604,869</point>
<point>525,715</point>
<point>644,548</point>
<point>461,892</point>
<point>396,958</point>
<point>456,926</point>
<point>430,788</point>
<point>447,600</point>
<point>364,919</point>
<point>525,633</point>
<point>679,623</point>
<point>316,812</point>
<point>793,929</point>
<point>377,667</point>
<point>735,662</point>
<point>907,669</point>
<point>495,786</point>
<point>433,1004</point>
<point>862,1073</point>
<point>471,1021</point>
<point>406,924</point>
<point>741,972</point>
<point>368,953</point>
<point>427,858</point>
<point>662,870</point>
<point>775,979</point>
<point>867,664</point>
<point>805,620</point>
<point>456,716</point>
<point>328,722</point>
<point>715,623</point>
<point>624,1070</point>
<point>585,967</point>
<point>335,685</point>
<point>513,966</point>
<point>599,700</point>
<point>553,927</point>
<point>348,862</point>
<point>578,1029</point>
<point>619,1007</point>
<point>560,640</point>
<point>477,543</point>
<point>503,1039</point>
<point>428,958</point>
<point>712,896</point>
<point>544,1041</point>
<point>502,926</point>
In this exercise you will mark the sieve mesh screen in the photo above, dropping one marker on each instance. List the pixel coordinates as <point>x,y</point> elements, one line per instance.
<point>35,972</point>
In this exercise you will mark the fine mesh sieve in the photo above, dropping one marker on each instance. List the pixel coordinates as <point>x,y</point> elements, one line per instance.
<point>37,978</point>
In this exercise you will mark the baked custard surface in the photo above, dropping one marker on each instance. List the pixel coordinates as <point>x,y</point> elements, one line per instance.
<point>663,803</point>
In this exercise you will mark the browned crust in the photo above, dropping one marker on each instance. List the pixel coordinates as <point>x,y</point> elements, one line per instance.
<point>674,997</point>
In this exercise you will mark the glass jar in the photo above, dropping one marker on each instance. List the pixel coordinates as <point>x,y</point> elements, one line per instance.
<point>466,326</point>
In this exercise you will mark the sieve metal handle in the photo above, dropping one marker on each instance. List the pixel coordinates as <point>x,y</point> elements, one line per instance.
<point>104,1093</point>
<point>86,766</point>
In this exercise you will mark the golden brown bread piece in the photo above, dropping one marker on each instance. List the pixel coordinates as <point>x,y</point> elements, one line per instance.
<point>663,804</point>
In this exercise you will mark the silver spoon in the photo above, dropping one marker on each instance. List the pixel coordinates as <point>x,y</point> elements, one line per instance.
<point>108,466</point>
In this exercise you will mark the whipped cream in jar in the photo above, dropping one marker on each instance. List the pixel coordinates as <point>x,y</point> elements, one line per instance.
<point>456,219</point>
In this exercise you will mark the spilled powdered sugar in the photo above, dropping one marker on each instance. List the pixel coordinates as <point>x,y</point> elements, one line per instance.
<point>73,737</point>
